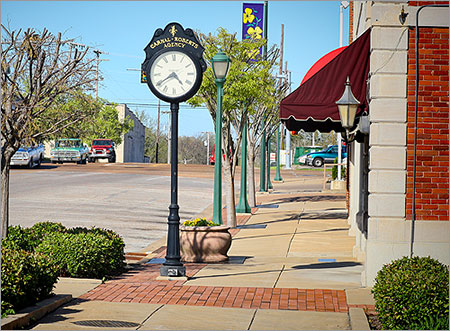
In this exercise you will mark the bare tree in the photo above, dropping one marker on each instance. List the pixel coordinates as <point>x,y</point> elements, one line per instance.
<point>38,70</point>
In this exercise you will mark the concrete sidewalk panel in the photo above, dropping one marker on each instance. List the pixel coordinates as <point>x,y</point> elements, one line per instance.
<point>360,296</point>
<point>329,275</point>
<point>257,275</point>
<point>171,317</point>
<point>75,286</point>
<point>299,320</point>
<point>65,317</point>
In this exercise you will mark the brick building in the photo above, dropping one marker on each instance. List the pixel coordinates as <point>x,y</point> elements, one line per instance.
<point>392,211</point>
<point>389,232</point>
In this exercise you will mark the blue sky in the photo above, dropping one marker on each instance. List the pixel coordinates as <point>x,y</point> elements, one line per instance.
<point>124,28</point>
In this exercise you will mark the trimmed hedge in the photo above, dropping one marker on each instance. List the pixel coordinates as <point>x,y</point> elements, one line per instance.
<point>29,238</point>
<point>26,278</point>
<point>412,293</point>
<point>89,253</point>
<point>33,258</point>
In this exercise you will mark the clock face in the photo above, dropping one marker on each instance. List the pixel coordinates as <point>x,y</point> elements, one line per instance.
<point>173,74</point>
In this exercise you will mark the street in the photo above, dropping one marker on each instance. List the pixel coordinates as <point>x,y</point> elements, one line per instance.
<point>132,203</point>
<point>131,199</point>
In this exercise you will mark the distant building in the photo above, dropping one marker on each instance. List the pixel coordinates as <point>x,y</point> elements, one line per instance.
<point>132,147</point>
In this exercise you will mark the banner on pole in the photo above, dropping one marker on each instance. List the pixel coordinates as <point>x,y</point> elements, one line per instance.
<point>252,24</point>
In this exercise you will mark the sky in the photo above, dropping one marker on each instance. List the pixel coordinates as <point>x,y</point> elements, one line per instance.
<point>123,28</point>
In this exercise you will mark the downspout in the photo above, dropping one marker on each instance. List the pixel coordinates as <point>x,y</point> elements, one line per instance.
<point>416,97</point>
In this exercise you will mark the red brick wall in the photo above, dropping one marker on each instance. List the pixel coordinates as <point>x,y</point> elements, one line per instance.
<point>432,168</point>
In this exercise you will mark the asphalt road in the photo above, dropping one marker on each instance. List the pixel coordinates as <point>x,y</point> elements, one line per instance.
<point>129,199</point>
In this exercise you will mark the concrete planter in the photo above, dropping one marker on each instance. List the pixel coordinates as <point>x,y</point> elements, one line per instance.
<point>204,243</point>
<point>338,185</point>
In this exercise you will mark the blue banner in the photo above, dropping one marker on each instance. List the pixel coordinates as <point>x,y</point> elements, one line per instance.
<point>252,23</point>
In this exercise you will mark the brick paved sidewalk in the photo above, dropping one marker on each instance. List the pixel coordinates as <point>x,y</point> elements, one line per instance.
<point>141,286</point>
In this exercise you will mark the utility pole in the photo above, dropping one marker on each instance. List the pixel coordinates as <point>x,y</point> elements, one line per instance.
<point>342,6</point>
<point>76,45</point>
<point>98,52</point>
<point>157,131</point>
<point>288,134</point>
<point>207,146</point>
<point>262,180</point>
<point>278,174</point>
<point>169,138</point>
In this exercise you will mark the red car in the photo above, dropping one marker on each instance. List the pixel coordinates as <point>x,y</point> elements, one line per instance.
<point>212,158</point>
<point>102,149</point>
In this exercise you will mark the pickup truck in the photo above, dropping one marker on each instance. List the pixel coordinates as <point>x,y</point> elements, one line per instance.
<point>327,155</point>
<point>29,156</point>
<point>102,149</point>
<point>69,150</point>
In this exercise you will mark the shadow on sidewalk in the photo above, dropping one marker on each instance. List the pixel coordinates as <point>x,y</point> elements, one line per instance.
<point>310,198</point>
<point>290,234</point>
<point>327,265</point>
<point>323,216</point>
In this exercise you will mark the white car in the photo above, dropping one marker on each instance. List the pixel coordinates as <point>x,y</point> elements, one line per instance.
<point>28,156</point>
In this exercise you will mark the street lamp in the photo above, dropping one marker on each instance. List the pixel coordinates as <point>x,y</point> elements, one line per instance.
<point>220,65</point>
<point>348,106</point>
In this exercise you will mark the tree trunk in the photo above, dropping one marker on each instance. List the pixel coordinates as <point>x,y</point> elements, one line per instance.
<point>251,176</point>
<point>229,194</point>
<point>5,197</point>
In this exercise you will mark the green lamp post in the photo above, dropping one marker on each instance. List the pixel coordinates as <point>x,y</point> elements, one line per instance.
<point>262,175</point>
<point>243,206</point>
<point>278,174</point>
<point>220,64</point>
<point>269,184</point>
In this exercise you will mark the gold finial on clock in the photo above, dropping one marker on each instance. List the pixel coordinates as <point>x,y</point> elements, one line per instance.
<point>173,30</point>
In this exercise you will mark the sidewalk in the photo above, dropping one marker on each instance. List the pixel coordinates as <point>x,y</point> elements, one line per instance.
<point>290,268</point>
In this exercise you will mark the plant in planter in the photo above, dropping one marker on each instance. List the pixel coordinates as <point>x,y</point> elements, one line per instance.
<point>204,241</point>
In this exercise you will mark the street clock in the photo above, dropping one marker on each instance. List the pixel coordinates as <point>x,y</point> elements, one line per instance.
<point>173,70</point>
<point>174,64</point>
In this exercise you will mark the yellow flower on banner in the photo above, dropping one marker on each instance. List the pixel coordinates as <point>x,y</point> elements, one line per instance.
<point>253,54</point>
<point>248,16</point>
<point>255,33</point>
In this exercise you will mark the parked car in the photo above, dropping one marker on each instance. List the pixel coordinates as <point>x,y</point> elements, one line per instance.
<point>29,156</point>
<point>69,150</point>
<point>212,157</point>
<point>327,155</point>
<point>102,149</point>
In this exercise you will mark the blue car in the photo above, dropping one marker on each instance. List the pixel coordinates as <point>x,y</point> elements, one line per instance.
<point>327,155</point>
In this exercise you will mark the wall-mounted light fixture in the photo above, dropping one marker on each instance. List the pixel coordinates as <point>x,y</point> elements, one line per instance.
<point>402,16</point>
<point>348,105</point>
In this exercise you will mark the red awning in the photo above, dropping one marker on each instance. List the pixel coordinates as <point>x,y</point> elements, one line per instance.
<point>312,106</point>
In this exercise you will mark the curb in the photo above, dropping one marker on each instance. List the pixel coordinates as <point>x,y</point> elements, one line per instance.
<point>358,319</point>
<point>31,314</point>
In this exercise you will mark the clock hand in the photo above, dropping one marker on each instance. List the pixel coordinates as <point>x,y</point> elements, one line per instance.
<point>171,75</point>
<point>178,79</point>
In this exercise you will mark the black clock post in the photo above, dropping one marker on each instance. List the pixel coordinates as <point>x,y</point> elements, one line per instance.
<point>174,69</point>
<point>173,266</point>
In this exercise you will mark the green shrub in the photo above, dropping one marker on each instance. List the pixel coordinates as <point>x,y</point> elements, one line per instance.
<point>18,238</point>
<point>26,278</point>
<point>409,290</point>
<point>81,252</point>
<point>334,171</point>
<point>29,238</point>
<point>41,229</point>
<point>432,323</point>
